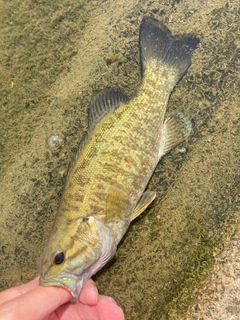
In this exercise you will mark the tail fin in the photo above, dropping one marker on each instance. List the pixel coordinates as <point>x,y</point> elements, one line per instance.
<point>157,42</point>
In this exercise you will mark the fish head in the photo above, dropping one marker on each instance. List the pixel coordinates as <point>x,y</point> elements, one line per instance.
<point>74,253</point>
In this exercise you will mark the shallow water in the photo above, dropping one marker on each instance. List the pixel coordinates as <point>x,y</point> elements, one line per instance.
<point>53,59</point>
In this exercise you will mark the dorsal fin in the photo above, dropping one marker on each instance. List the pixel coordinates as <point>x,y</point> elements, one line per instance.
<point>101,104</point>
<point>104,102</point>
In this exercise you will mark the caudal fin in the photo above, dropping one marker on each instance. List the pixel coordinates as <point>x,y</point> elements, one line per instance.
<point>157,42</point>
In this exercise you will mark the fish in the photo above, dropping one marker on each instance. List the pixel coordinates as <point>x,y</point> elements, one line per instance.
<point>106,183</point>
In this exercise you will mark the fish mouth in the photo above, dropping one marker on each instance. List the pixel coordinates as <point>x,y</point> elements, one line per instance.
<point>66,280</point>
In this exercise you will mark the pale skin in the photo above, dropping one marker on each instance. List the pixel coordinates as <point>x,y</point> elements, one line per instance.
<point>32,302</point>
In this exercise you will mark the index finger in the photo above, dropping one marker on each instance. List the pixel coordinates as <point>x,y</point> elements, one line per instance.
<point>18,290</point>
<point>34,304</point>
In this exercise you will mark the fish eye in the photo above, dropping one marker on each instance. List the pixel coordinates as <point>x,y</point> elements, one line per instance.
<point>58,257</point>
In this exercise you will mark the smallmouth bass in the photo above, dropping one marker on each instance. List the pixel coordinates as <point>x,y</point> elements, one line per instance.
<point>126,139</point>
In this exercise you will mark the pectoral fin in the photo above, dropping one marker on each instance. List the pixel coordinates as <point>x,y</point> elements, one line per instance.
<point>144,202</point>
<point>118,203</point>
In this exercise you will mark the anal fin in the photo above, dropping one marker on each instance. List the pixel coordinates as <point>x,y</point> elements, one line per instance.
<point>176,129</point>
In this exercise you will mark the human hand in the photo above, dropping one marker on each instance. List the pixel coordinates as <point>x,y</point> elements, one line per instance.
<point>32,302</point>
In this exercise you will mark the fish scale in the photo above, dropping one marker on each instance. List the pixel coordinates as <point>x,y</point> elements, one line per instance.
<point>146,123</point>
<point>105,187</point>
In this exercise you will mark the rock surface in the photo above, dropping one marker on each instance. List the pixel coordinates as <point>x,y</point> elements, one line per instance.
<point>54,58</point>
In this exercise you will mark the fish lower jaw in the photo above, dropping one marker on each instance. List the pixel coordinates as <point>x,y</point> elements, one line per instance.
<point>69,282</point>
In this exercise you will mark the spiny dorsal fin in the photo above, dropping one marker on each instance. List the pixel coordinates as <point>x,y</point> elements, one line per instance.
<point>144,202</point>
<point>104,102</point>
<point>101,104</point>
<point>176,129</point>
<point>118,203</point>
